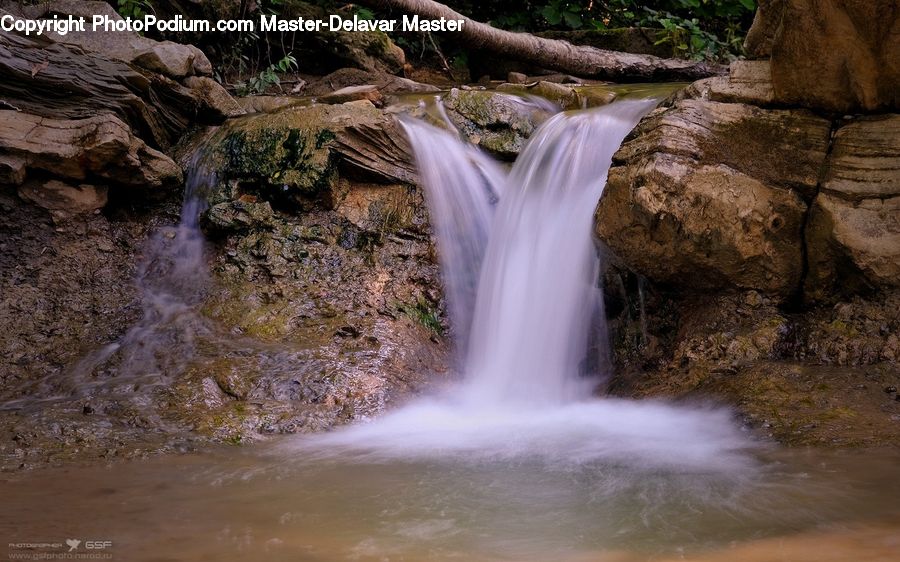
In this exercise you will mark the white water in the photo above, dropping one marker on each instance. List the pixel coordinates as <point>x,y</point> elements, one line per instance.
<point>466,184</point>
<point>526,392</point>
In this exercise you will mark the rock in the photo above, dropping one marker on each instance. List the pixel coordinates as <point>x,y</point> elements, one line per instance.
<point>761,35</point>
<point>12,169</point>
<point>157,108</point>
<point>215,99</point>
<point>853,246</point>
<point>838,56</point>
<point>563,96</point>
<point>168,58</point>
<point>268,104</point>
<point>782,148</point>
<point>853,236</point>
<point>101,146</point>
<point>62,200</point>
<point>516,78</point>
<point>865,158</point>
<point>593,96</point>
<point>499,123</point>
<point>325,51</point>
<point>238,216</point>
<point>707,195</point>
<point>297,152</point>
<point>367,92</point>
<point>748,82</point>
<point>400,85</point>
<point>387,83</point>
<point>380,208</point>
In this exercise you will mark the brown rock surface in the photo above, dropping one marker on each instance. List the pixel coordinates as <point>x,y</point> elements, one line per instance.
<point>838,55</point>
<point>708,195</point>
<point>100,146</point>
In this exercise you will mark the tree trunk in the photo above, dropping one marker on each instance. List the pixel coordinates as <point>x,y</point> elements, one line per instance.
<point>553,54</point>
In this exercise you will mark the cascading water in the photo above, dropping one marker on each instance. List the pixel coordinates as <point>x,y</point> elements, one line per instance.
<point>466,185</point>
<point>538,290</point>
<point>524,392</point>
<point>171,278</point>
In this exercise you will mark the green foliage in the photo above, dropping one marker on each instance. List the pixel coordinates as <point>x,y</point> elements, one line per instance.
<point>135,9</point>
<point>268,77</point>
<point>423,313</point>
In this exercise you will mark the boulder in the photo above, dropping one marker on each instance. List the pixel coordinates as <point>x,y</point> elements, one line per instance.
<point>499,123</point>
<point>748,82</point>
<point>354,93</point>
<point>782,148</point>
<point>865,158</point>
<point>12,169</point>
<point>242,215</point>
<point>33,73</point>
<point>707,195</point>
<point>559,94</point>
<point>216,101</point>
<point>761,35</point>
<point>325,51</point>
<point>297,152</point>
<point>841,56</point>
<point>62,200</point>
<point>268,104</point>
<point>853,237</point>
<point>101,146</point>
<point>387,83</point>
<point>171,59</point>
<point>853,246</point>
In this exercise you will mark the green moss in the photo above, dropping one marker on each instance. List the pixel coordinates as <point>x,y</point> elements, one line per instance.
<point>423,313</point>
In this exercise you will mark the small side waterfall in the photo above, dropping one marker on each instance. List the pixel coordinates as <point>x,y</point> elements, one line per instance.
<point>171,279</point>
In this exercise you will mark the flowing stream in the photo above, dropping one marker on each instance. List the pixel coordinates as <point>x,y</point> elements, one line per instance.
<point>521,460</point>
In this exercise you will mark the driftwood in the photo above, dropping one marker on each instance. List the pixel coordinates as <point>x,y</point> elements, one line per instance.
<point>588,62</point>
<point>60,81</point>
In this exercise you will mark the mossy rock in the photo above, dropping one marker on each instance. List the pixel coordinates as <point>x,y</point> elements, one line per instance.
<point>500,123</point>
<point>287,154</point>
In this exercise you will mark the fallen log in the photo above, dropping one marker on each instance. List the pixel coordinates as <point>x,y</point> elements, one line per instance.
<point>553,54</point>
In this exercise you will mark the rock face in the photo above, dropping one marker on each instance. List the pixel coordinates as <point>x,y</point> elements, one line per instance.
<point>298,152</point>
<point>79,149</point>
<point>710,195</point>
<point>840,56</point>
<point>853,237</point>
<point>325,51</point>
<point>171,59</point>
<point>62,200</point>
<point>854,246</point>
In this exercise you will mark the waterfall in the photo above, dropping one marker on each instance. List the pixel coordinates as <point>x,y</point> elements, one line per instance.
<point>522,285</point>
<point>527,329</point>
<point>171,279</point>
<point>538,289</point>
<point>466,183</point>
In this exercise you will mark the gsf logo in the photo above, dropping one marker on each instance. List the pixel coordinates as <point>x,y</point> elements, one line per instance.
<point>97,545</point>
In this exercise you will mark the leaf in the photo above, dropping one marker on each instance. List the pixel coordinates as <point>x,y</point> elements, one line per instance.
<point>749,4</point>
<point>572,20</point>
<point>552,15</point>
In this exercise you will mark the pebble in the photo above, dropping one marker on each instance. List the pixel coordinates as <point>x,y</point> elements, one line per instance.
<point>890,389</point>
